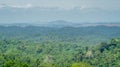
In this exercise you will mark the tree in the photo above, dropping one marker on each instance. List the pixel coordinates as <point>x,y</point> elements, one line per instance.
<point>81,64</point>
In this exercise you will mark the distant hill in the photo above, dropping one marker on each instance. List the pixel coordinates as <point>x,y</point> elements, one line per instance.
<point>61,23</point>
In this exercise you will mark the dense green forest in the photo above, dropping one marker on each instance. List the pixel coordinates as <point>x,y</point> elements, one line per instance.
<point>32,46</point>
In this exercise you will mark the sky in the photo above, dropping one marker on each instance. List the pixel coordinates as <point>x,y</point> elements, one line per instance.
<point>39,11</point>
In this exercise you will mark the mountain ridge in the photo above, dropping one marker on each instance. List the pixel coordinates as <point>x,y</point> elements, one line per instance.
<point>61,23</point>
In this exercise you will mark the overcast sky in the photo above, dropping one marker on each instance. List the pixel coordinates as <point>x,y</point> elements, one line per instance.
<point>17,11</point>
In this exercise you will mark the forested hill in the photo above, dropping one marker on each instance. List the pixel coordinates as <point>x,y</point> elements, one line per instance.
<point>85,35</point>
<point>22,53</point>
<point>35,46</point>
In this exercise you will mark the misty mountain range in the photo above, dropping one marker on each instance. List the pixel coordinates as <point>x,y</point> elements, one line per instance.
<point>61,23</point>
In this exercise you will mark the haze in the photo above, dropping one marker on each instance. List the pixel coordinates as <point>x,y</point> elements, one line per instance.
<point>76,11</point>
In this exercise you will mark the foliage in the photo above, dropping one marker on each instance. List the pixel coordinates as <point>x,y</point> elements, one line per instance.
<point>47,47</point>
<point>81,64</point>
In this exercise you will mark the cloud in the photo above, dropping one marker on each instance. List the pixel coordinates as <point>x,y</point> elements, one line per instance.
<point>22,6</point>
<point>2,5</point>
<point>17,6</point>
